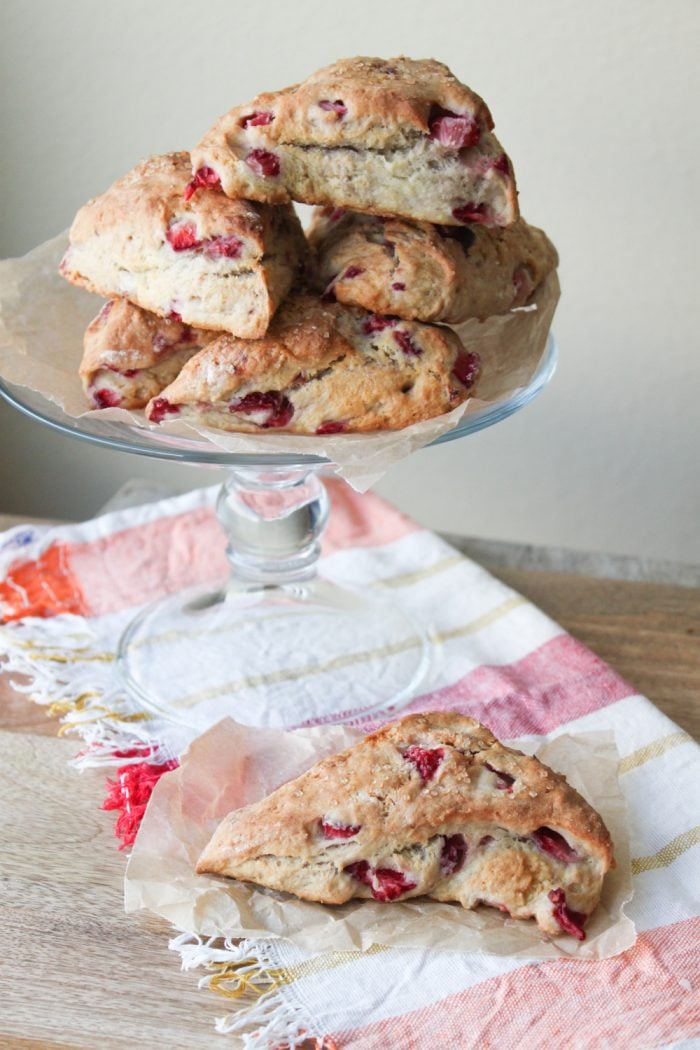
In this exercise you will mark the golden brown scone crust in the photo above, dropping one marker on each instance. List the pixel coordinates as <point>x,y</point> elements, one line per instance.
<point>425,272</point>
<point>431,804</point>
<point>220,264</point>
<point>323,365</point>
<point>366,133</point>
<point>130,354</point>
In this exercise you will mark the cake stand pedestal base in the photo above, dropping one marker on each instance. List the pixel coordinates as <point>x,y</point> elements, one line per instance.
<point>280,645</point>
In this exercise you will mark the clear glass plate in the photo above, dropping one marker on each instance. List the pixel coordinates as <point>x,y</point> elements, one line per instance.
<point>159,444</point>
<point>276,644</point>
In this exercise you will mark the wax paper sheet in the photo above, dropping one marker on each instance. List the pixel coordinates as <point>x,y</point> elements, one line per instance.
<point>232,765</point>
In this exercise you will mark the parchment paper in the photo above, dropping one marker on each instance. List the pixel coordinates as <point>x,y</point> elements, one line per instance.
<point>43,320</point>
<point>232,765</point>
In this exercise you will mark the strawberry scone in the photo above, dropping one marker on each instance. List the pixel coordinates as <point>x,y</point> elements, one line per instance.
<point>130,355</point>
<point>431,804</point>
<point>219,264</point>
<point>392,136</point>
<point>430,273</point>
<point>322,368</point>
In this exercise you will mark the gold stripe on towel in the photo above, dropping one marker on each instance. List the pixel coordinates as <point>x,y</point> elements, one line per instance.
<point>289,675</point>
<point>405,579</point>
<point>653,750</point>
<point>670,852</point>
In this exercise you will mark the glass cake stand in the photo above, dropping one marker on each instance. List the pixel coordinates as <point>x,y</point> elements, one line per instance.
<point>275,644</point>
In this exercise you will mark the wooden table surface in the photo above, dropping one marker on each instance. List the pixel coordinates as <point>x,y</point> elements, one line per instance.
<point>75,971</point>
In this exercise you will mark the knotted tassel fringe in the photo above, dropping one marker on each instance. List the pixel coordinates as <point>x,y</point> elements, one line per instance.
<point>265,1019</point>
<point>78,685</point>
<point>130,792</point>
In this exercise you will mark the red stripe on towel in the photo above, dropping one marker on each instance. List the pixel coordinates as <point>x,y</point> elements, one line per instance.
<point>132,566</point>
<point>361,520</point>
<point>556,683</point>
<point>647,996</point>
<point>42,587</point>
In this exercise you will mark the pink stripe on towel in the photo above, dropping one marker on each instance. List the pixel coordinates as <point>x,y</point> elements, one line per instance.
<point>556,683</point>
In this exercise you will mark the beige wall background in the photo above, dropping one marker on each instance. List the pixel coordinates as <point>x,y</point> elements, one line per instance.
<point>596,102</point>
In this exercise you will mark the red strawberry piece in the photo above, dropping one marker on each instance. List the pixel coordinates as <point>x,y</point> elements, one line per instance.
<point>260,118</point>
<point>339,831</point>
<point>471,212</point>
<point>361,871</point>
<point>338,107</point>
<point>188,334</point>
<point>570,921</point>
<point>332,426</point>
<point>352,271</point>
<point>174,316</point>
<point>388,885</point>
<point>131,372</point>
<point>160,408</point>
<point>202,178</point>
<point>399,286</point>
<point>228,247</point>
<point>505,780</point>
<point>105,398</point>
<point>453,854</point>
<point>551,842</point>
<point>425,759</point>
<point>407,344</point>
<point>336,214</point>
<point>262,162</point>
<point>501,164</point>
<point>375,323</point>
<point>466,367</point>
<point>279,408</point>
<point>453,130</point>
<point>183,237</point>
<point>486,841</point>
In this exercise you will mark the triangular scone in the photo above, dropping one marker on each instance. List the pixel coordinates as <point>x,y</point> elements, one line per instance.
<point>219,264</point>
<point>130,354</point>
<point>431,804</point>
<point>395,136</point>
<point>428,273</point>
<point>322,368</point>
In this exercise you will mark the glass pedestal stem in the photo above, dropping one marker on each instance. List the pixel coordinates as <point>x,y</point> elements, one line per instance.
<point>273,519</point>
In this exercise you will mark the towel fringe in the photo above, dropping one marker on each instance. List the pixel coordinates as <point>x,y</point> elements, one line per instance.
<point>264,1020</point>
<point>79,686</point>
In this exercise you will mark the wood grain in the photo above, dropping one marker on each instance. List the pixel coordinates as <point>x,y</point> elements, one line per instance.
<point>75,971</point>
<point>649,633</point>
<point>19,715</point>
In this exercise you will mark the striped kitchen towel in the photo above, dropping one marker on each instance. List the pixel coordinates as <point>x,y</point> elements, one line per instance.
<point>65,595</point>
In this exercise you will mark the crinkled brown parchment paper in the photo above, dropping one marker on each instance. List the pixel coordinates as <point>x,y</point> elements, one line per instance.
<point>232,765</point>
